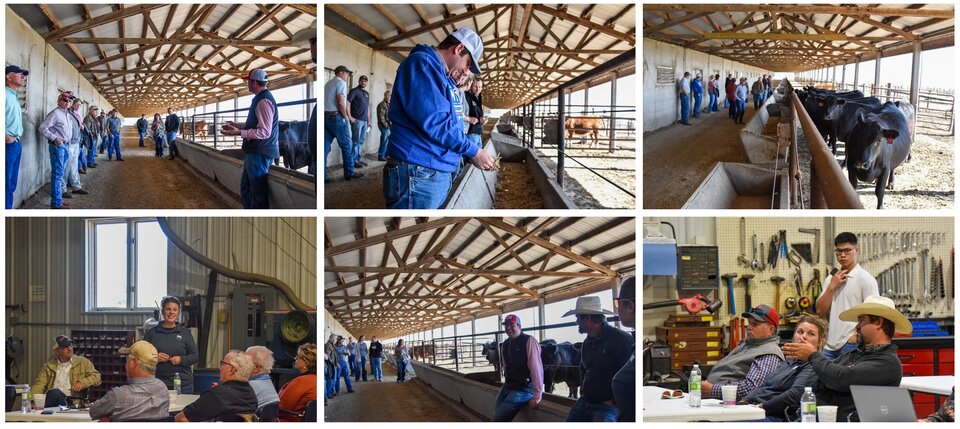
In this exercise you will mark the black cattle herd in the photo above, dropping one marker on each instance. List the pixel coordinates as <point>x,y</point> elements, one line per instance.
<point>561,363</point>
<point>877,136</point>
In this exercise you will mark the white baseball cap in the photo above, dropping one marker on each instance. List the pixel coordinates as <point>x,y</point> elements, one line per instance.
<point>472,42</point>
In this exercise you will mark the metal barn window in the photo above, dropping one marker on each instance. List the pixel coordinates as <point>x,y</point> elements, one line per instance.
<point>665,75</point>
<point>126,264</point>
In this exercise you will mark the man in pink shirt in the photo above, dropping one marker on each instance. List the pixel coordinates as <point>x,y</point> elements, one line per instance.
<point>522,370</point>
<point>261,146</point>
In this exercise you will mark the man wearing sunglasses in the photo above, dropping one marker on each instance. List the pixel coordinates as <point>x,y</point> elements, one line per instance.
<point>848,287</point>
<point>752,360</point>
<point>230,400</point>
<point>57,130</point>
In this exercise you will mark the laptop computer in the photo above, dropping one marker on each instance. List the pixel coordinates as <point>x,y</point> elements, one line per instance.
<point>883,404</point>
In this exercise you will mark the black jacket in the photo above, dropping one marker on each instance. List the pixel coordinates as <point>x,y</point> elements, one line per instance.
<point>601,357</point>
<point>142,125</point>
<point>474,110</point>
<point>783,387</point>
<point>867,365</point>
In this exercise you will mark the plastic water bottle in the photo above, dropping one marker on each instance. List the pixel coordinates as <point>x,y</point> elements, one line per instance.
<point>695,386</point>
<point>25,399</point>
<point>808,406</point>
<point>176,383</point>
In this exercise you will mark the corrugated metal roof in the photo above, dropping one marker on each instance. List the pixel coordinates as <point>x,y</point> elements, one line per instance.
<point>355,289</point>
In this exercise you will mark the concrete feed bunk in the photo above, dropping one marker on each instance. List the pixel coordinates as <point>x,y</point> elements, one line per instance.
<point>741,186</point>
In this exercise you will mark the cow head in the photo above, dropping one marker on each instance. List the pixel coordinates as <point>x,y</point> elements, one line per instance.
<point>549,352</point>
<point>491,351</point>
<point>877,135</point>
<point>836,110</point>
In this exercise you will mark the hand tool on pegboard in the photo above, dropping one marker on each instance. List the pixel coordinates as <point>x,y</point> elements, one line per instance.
<point>731,299</point>
<point>784,252</point>
<point>773,249</point>
<point>816,242</point>
<point>763,263</point>
<point>755,264</point>
<point>814,288</point>
<point>746,290</point>
<point>777,283</point>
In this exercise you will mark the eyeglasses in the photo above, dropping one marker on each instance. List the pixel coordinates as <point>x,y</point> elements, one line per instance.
<point>845,251</point>
<point>222,363</point>
<point>670,394</point>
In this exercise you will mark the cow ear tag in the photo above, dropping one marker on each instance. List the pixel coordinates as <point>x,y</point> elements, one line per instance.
<point>889,139</point>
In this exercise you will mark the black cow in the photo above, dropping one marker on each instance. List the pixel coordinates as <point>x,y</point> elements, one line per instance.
<point>294,145</point>
<point>879,142</point>
<point>561,363</point>
<point>843,112</point>
<point>817,102</point>
<point>491,350</point>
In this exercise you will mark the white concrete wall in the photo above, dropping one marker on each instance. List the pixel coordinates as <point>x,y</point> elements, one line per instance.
<point>333,326</point>
<point>661,103</point>
<point>49,73</point>
<point>339,49</point>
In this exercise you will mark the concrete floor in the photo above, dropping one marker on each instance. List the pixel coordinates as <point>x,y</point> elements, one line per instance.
<point>389,401</point>
<point>141,182</point>
<point>677,158</point>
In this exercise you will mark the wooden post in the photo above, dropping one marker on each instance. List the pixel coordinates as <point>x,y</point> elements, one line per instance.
<point>561,131</point>
<point>613,110</point>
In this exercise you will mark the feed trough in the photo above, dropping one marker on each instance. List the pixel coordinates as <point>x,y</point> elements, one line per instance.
<point>741,186</point>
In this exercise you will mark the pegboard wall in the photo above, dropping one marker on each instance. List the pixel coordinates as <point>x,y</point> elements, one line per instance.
<point>934,234</point>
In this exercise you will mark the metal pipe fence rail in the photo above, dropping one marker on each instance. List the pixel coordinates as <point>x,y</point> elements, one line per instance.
<point>211,128</point>
<point>829,187</point>
<point>933,108</point>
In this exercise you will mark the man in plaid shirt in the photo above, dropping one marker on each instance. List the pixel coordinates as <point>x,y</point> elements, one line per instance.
<point>752,360</point>
<point>144,399</point>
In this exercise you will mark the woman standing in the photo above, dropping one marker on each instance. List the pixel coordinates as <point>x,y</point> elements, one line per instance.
<point>158,133</point>
<point>175,346</point>
<point>400,353</point>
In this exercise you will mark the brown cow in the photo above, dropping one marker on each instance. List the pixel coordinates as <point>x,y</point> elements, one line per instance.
<point>584,125</point>
<point>200,128</point>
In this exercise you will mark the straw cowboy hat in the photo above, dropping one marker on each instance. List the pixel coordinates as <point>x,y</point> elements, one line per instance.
<point>588,305</point>
<point>876,305</point>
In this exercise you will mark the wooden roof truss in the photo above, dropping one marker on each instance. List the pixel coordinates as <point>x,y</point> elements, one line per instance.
<point>797,37</point>
<point>495,262</point>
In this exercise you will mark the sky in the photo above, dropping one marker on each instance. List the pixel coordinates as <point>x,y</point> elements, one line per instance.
<point>937,70</point>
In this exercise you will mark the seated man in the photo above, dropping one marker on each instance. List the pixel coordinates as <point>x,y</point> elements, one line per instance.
<point>67,375</point>
<point>752,360</point>
<point>784,386</point>
<point>260,377</point>
<point>232,399</point>
<point>873,363</point>
<point>145,398</point>
<point>945,413</point>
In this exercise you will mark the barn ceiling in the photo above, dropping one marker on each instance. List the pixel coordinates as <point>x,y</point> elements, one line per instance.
<point>143,58</point>
<point>790,38</point>
<point>392,276</point>
<point>529,49</point>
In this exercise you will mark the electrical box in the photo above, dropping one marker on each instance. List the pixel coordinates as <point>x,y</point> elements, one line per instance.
<point>250,324</point>
<point>698,268</point>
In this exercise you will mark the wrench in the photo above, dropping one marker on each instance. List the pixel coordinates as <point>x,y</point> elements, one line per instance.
<point>755,264</point>
<point>742,259</point>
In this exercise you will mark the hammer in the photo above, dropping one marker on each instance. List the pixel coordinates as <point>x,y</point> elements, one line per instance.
<point>816,241</point>
<point>728,278</point>
<point>777,280</point>
<point>746,288</point>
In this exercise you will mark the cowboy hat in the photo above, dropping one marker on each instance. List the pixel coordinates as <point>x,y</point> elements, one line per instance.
<point>587,305</point>
<point>881,306</point>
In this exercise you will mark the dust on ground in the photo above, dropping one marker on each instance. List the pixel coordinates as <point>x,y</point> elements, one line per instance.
<point>588,190</point>
<point>143,181</point>
<point>677,158</point>
<point>516,188</point>
<point>389,401</point>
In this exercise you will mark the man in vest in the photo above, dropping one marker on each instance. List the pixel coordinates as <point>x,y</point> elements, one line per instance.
<point>754,358</point>
<point>522,370</point>
<point>260,143</point>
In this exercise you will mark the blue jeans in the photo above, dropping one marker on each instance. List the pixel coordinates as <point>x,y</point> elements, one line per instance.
<point>684,108</point>
<point>696,105</point>
<point>172,142</point>
<point>409,186</point>
<point>345,373</point>
<point>14,152</point>
<point>757,101</point>
<point>401,370</point>
<point>142,135</point>
<point>58,163</point>
<point>104,141</point>
<point>834,354</point>
<point>476,138</point>
<point>335,383</point>
<point>114,145</point>
<point>158,144</point>
<point>337,127</point>
<point>384,142</point>
<point>712,107</point>
<point>359,132</point>
<point>363,368</point>
<point>376,368</point>
<point>509,403</point>
<point>253,182</point>
<point>584,411</point>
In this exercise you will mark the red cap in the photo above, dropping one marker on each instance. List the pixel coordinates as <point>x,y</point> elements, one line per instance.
<point>764,313</point>
<point>511,319</point>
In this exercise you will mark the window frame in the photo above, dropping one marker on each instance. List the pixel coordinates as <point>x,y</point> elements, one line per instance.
<point>132,288</point>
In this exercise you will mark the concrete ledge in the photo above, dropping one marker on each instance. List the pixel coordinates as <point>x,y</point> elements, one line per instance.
<point>733,185</point>
<point>760,148</point>
<point>288,190</point>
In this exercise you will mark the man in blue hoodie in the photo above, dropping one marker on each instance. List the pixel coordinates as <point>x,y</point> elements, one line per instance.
<point>426,137</point>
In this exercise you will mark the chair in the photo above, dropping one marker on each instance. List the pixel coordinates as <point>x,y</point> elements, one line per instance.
<point>310,412</point>
<point>269,412</point>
